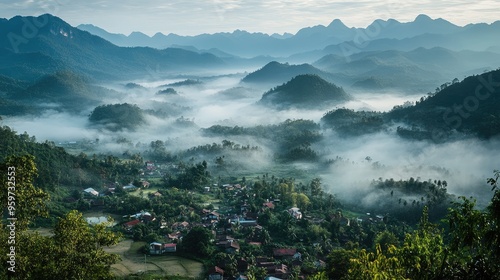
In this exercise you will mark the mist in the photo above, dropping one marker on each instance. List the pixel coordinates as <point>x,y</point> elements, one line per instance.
<point>464,164</point>
<point>221,99</point>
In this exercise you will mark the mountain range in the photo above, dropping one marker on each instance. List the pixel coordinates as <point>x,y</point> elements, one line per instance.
<point>57,46</point>
<point>409,52</point>
<point>422,32</point>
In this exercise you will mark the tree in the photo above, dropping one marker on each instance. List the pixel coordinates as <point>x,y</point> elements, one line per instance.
<point>423,251</point>
<point>386,239</point>
<point>318,276</point>
<point>197,242</point>
<point>27,201</point>
<point>377,265</point>
<point>301,200</point>
<point>79,248</point>
<point>338,263</point>
<point>74,252</point>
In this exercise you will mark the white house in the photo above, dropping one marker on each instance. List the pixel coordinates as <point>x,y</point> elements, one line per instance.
<point>295,212</point>
<point>91,191</point>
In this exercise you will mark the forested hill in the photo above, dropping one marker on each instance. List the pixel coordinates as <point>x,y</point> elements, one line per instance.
<point>57,168</point>
<point>117,117</point>
<point>305,91</point>
<point>469,106</point>
<point>59,46</point>
<point>65,88</point>
<point>277,73</point>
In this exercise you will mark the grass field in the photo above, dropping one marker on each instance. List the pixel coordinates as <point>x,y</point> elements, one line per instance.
<point>133,261</point>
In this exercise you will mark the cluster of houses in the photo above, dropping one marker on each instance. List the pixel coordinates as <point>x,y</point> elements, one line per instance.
<point>110,189</point>
<point>273,266</point>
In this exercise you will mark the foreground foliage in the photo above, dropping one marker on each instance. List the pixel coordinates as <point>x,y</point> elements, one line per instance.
<point>74,251</point>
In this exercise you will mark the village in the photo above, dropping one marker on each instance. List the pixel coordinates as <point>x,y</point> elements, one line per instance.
<point>268,238</point>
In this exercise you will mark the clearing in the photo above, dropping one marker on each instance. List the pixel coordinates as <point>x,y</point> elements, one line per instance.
<point>133,261</point>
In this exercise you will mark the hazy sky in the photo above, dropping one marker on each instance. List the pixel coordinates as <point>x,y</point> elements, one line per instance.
<point>268,16</point>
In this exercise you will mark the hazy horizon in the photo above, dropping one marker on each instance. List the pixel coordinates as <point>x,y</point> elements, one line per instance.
<point>201,17</point>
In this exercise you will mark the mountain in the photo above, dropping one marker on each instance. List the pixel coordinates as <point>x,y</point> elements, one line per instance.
<point>305,91</point>
<point>66,89</point>
<point>476,37</point>
<point>62,45</point>
<point>470,106</point>
<point>423,24</point>
<point>276,73</point>
<point>117,39</point>
<point>28,66</point>
<point>380,34</point>
<point>419,68</point>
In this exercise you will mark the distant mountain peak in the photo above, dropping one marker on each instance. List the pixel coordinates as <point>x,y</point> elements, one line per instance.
<point>422,18</point>
<point>337,23</point>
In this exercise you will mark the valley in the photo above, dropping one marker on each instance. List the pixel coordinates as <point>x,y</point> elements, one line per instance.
<point>307,157</point>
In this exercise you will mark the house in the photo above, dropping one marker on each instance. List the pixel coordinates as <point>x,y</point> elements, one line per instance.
<point>156,248</point>
<point>147,217</point>
<point>129,225</point>
<point>181,226</point>
<point>174,236</point>
<point>228,244</point>
<point>130,187</point>
<point>163,224</point>
<point>91,192</point>
<point>170,247</point>
<point>213,216</point>
<point>215,273</point>
<point>272,278</point>
<point>155,194</point>
<point>268,205</point>
<point>145,184</point>
<point>232,247</point>
<point>150,165</point>
<point>276,271</point>
<point>282,253</point>
<point>295,212</point>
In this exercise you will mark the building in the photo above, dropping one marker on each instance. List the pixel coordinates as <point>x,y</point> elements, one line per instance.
<point>130,187</point>
<point>129,225</point>
<point>215,273</point>
<point>91,192</point>
<point>282,253</point>
<point>170,247</point>
<point>295,212</point>
<point>157,248</point>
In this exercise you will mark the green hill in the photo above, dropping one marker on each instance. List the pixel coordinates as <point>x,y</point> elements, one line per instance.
<point>116,117</point>
<point>305,91</point>
<point>277,73</point>
<point>471,106</point>
<point>68,89</point>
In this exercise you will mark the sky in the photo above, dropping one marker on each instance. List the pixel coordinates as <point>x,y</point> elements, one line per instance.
<point>268,16</point>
